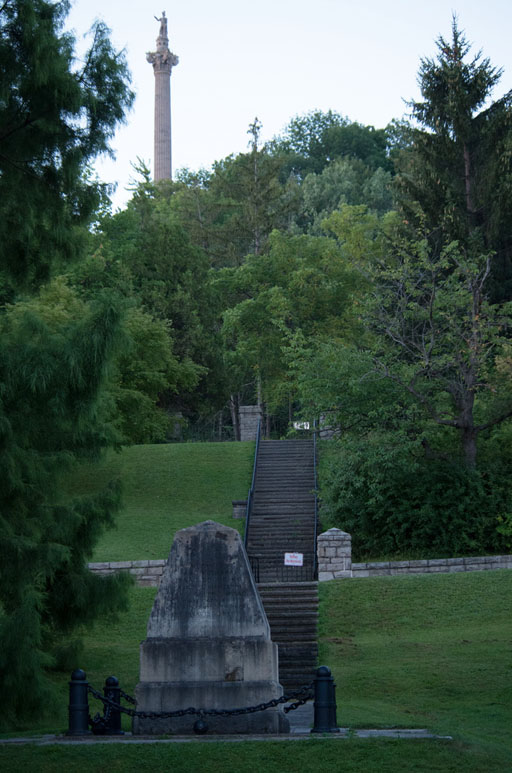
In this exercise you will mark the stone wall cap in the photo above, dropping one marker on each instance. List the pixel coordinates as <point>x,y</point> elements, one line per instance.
<point>335,533</point>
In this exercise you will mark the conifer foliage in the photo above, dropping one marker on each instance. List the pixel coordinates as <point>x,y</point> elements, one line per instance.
<point>53,364</point>
<point>458,167</point>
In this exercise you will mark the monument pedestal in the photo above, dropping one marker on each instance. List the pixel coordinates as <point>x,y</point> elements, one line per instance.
<point>208,643</point>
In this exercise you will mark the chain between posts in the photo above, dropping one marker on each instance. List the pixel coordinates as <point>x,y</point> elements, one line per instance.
<point>303,696</point>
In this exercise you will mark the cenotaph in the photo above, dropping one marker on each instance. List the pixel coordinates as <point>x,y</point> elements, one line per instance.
<point>208,642</point>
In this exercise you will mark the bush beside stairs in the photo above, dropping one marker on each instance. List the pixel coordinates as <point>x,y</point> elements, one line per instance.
<point>283,521</point>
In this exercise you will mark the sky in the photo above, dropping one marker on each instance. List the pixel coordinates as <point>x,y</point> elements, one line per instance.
<point>275,59</point>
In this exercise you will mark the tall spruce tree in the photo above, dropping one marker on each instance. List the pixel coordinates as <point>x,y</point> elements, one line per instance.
<point>54,119</point>
<point>459,165</point>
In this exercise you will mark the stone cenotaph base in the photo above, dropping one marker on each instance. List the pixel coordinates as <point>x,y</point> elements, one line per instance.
<point>208,640</point>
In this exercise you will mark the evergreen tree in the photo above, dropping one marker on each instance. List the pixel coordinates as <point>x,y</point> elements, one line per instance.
<point>53,121</point>
<point>255,198</point>
<point>458,167</point>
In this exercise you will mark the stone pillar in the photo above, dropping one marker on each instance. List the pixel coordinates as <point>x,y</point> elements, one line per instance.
<point>163,61</point>
<point>208,640</point>
<point>239,508</point>
<point>249,418</point>
<point>334,554</point>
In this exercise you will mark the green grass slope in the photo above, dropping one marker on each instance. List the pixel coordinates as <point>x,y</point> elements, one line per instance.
<point>166,488</point>
<point>429,651</point>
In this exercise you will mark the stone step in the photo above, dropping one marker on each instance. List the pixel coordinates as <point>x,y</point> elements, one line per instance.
<point>294,482</point>
<point>261,536</point>
<point>264,530</point>
<point>288,598</point>
<point>276,472</point>
<point>269,501</point>
<point>260,527</point>
<point>281,446</point>
<point>285,461</point>
<point>286,609</point>
<point>283,493</point>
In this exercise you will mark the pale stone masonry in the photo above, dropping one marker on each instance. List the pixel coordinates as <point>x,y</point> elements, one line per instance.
<point>432,566</point>
<point>146,573</point>
<point>249,418</point>
<point>163,61</point>
<point>334,549</point>
<point>334,561</point>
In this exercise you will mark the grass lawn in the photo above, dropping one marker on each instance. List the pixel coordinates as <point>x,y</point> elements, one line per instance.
<point>166,488</point>
<point>430,651</point>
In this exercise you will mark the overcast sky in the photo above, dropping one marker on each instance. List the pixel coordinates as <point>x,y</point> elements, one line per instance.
<point>275,59</point>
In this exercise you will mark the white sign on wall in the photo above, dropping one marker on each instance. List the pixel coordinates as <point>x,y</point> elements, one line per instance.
<point>301,425</point>
<point>293,559</point>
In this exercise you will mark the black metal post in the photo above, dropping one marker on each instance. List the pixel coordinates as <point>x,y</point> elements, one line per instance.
<point>112,691</point>
<point>325,702</point>
<point>78,704</point>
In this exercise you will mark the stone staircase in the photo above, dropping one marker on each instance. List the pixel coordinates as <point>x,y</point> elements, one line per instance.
<point>292,613</point>
<point>283,521</point>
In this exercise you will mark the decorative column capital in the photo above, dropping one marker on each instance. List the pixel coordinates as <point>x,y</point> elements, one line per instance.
<point>162,61</point>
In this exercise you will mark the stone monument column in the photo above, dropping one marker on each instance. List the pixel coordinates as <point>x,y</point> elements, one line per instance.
<point>163,61</point>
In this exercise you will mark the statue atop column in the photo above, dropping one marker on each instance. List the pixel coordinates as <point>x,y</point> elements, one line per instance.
<point>163,60</point>
<point>163,24</point>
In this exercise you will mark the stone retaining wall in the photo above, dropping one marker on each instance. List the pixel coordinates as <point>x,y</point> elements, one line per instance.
<point>334,561</point>
<point>146,573</point>
<point>431,566</point>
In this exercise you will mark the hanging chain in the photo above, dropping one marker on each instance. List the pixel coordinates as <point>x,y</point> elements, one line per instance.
<point>303,695</point>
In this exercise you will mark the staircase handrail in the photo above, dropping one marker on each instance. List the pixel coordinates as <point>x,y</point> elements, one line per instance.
<point>315,557</point>
<point>251,490</point>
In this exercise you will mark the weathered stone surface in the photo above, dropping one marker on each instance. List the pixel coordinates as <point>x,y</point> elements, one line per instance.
<point>250,415</point>
<point>208,639</point>
<point>342,573</point>
<point>239,508</point>
<point>334,552</point>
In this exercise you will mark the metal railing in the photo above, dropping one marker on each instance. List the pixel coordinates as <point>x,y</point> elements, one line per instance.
<point>250,495</point>
<point>315,556</point>
<point>322,691</point>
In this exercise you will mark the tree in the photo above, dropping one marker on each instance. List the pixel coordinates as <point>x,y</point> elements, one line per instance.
<point>344,181</point>
<point>299,289</point>
<point>421,403</point>
<point>458,167</point>
<point>433,330</point>
<point>54,363</point>
<point>151,259</point>
<point>53,121</point>
<point>255,199</point>
<point>315,139</point>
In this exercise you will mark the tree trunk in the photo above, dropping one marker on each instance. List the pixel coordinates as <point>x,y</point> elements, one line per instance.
<point>466,422</point>
<point>467,181</point>
<point>469,436</point>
